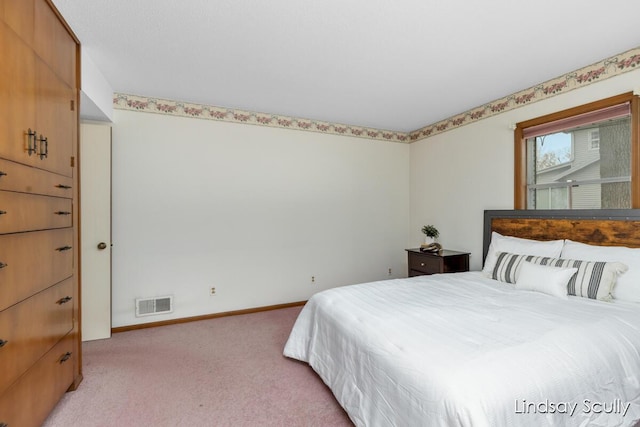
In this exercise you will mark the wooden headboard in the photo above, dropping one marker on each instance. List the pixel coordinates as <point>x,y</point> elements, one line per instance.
<point>606,227</point>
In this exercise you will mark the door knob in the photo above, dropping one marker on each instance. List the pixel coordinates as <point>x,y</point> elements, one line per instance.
<point>102,245</point>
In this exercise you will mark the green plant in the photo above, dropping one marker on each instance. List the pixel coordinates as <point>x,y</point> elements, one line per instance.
<point>431,231</point>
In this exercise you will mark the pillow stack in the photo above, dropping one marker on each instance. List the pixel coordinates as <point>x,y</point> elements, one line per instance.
<point>560,268</point>
<point>590,279</point>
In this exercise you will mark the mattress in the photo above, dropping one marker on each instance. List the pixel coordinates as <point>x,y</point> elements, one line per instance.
<point>464,350</point>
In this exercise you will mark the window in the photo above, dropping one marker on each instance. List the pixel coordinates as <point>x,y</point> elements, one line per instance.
<point>594,139</point>
<point>581,158</point>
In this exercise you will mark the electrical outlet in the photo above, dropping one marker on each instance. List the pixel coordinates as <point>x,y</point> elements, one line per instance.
<point>313,279</point>
<point>389,271</point>
<point>212,291</point>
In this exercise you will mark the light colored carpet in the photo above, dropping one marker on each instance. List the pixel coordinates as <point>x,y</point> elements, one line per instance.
<point>228,371</point>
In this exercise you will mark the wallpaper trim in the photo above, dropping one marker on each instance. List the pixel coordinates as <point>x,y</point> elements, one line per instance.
<point>210,112</point>
<point>585,76</point>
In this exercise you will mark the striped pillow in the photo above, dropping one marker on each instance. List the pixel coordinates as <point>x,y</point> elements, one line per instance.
<point>594,279</point>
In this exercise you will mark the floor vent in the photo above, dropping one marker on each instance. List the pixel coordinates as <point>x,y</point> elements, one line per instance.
<point>151,306</point>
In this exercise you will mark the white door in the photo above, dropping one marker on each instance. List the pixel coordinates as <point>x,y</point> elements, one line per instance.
<point>95,229</point>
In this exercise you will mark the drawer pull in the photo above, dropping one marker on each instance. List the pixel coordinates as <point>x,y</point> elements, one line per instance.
<point>3,212</point>
<point>3,342</point>
<point>4,425</point>
<point>64,187</point>
<point>62,213</point>
<point>66,357</point>
<point>44,142</point>
<point>64,300</point>
<point>3,265</point>
<point>31,137</point>
<point>2,174</point>
<point>63,248</point>
<point>422,264</point>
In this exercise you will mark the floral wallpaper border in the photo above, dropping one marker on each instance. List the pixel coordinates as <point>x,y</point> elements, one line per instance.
<point>210,112</point>
<point>599,71</point>
<point>585,76</point>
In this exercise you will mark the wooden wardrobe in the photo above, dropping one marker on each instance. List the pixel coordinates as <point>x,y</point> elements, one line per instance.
<point>40,348</point>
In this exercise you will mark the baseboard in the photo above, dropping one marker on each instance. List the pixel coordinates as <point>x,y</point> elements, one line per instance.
<point>205,317</point>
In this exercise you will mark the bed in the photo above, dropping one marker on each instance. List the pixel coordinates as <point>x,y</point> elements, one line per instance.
<point>465,349</point>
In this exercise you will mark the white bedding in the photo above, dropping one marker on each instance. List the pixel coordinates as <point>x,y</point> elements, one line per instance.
<point>461,349</point>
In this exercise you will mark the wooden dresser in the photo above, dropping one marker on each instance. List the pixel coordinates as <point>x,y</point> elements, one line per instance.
<point>40,354</point>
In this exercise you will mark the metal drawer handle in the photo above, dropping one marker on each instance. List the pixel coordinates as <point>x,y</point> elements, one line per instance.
<point>3,265</point>
<point>44,142</point>
<point>422,264</point>
<point>62,213</point>
<point>2,174</point>
<point>64,300</point>
<point>3,212</point>
<point>66,357</point>
<point>63,248</point>
<point>64,187</point>
<point>4,425</point>
<point>3,342</point>
<point>31,136</point>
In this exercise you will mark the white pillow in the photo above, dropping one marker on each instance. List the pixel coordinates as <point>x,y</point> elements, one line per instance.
<point>627,286</point>
<point>516,245</point>
<point>545,279</point>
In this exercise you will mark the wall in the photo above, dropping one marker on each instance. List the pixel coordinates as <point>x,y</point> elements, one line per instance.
<point>251,210</point>
<point>96,97</point>
<point>458,174</point>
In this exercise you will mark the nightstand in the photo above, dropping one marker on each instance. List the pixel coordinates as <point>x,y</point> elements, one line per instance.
<point>445,261</point>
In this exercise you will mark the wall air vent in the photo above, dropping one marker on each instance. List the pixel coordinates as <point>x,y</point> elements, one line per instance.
<point>152,306</point>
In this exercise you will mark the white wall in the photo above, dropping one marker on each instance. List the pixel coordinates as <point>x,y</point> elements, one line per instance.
<point>458,174</point>
<point>253,211</point>
<point>96,97</point>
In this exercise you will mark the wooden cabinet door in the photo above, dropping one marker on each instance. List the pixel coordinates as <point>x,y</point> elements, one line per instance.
<point>54,122</point>
<point>54,44</point>
<point>19,16</point>
<point>17,92</point>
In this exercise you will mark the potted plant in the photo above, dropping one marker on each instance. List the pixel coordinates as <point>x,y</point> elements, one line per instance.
<point>431,233</point>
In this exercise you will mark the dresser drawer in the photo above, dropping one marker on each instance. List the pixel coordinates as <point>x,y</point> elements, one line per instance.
<point>33,261</point>
<point>28,401</point>
<point>25,212</point>
<point>25,179</point>
<point>425,264</point>
<point>21,329</point>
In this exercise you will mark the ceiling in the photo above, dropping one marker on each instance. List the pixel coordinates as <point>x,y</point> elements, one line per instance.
<point>397,65</point>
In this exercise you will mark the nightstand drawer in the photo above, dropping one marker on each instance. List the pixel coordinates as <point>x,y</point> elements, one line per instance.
<point>426,264</point>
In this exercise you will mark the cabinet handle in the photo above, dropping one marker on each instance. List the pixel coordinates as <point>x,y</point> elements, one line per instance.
<point>3,265</point>
<point>31,136</point>
<point>422,264</point>
<point>62,213</point>
<point>64,300</point>
<point>66,357</point>
<point>63,248</point>
<point>4,425</point>
<point>3,212</point>
<point>44,142</point>
<point>2,173</point>
<point>3,342</point>
<point>64,187</point>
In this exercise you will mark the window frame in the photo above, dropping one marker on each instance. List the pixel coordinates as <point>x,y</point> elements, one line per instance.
<point>592,139</point>
<point>520,151</point>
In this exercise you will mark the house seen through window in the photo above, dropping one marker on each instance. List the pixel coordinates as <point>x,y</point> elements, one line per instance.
<point>580,162</point>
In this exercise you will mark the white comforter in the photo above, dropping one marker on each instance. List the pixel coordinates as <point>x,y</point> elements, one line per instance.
<point>463,350</point>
